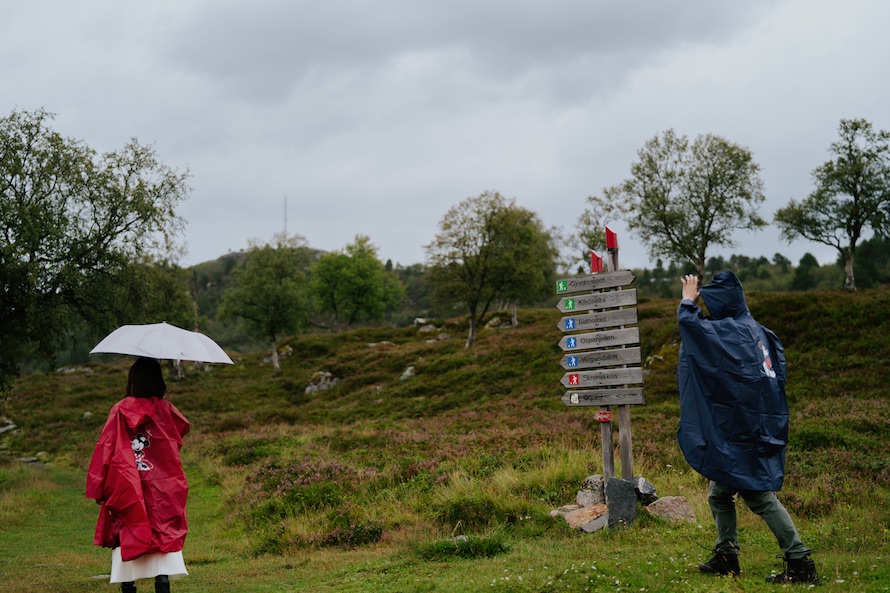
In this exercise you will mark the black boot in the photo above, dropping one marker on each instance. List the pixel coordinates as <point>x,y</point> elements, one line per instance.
<point>162,584</point>
<point>129,587</point>
<point>800,570</point>
<point>720,563</point>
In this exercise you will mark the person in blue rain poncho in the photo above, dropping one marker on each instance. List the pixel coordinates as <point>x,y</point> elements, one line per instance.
<point>734,420</point>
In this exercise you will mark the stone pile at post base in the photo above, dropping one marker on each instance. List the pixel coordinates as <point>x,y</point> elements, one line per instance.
<point>613,502</point>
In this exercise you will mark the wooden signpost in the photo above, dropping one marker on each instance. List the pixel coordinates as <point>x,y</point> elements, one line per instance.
<point>604,397</point>
<point>617,337</point>
<point>601,358</point>
<point>598,320</point>
<point>618,298</point>
<point>595,281</point>
<point>606,305</point>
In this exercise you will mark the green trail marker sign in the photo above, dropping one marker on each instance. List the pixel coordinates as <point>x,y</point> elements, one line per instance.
<point>594,281</point>
<point>599,348</point>
<point>601,300</point>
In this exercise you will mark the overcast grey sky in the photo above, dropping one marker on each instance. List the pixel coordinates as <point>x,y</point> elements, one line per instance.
<point>375,117</point>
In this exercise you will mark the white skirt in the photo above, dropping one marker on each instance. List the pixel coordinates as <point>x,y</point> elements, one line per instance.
<point>146,567</point>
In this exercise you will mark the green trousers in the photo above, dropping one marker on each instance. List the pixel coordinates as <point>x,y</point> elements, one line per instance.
<point>764,504</point>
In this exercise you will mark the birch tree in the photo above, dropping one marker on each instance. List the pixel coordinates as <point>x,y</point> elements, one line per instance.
<point>852,195</point>
<point>683,198</point>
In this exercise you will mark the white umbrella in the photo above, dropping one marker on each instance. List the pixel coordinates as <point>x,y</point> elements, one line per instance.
<point>162,341</point>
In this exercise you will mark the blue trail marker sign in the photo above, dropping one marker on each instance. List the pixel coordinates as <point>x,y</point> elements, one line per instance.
<point>602,339</point>
<point>601,358</point>
<point>598,320</point>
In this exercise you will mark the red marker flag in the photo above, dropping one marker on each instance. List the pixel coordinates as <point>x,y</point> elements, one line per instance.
<point>611,239</point>
<point>596,263</point>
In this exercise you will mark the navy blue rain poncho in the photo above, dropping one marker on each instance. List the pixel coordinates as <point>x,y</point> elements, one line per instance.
<point>731,373</point>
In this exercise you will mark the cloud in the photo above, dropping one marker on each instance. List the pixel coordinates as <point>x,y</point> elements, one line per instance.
<point>375,117</point>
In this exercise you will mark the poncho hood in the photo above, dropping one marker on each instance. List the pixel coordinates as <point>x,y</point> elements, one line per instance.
<point>724,296</point>
<point>731,376</point>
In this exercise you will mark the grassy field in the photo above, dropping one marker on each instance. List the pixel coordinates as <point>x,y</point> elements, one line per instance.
<point>365,486</point>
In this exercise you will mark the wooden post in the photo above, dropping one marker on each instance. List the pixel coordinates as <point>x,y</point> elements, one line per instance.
<point>608,449</point>
<point>625,438</point>
<point>596,267</point>
<point>624,442</point>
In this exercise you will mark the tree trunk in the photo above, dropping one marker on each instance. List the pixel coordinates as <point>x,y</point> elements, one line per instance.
<point>849,281</point>
<point>515,318</point>
<point>175,370</point>
<point>471,335</point>
<point>275,362</point>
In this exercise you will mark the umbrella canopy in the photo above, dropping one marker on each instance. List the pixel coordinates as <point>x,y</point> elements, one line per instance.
<point>163,341</point>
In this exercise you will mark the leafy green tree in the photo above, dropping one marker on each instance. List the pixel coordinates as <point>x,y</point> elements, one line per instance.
<point>169,296</point>
<point>804,278</point>
<point>531,274</point>
<point>783,262</point>
<point>488,248</point>
<point>210,280</point>
<point>75,225</point>
<point>682,198</point>
<point>353,284</point>
<point>418,293</point>
<point>271,290</point>
<point>852,194</point>
<point>663,282</point>
<point>716,264</point>
<point>591,228</point>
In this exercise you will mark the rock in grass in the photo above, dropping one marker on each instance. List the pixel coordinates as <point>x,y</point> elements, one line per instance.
<point>591,492</point>
<point>580,517</point>
<point>645,490</point>
<point>672,508</point>
<point>621,498</point>
<point>596,524</point>
<point>321,381</point>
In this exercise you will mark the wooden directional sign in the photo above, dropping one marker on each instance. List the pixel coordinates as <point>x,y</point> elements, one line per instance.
<point>601,358</point>
<point>599,300</point>
<point>595,281</point>
<point>603,377</point>
<point>616,337</point>
<point>598,320</point>
<point>604,397</point>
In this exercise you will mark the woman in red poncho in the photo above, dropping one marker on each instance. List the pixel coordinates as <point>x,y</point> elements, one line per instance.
<point>136,476</point>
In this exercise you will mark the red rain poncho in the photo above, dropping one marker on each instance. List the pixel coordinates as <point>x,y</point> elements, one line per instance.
<point>137,476</point>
